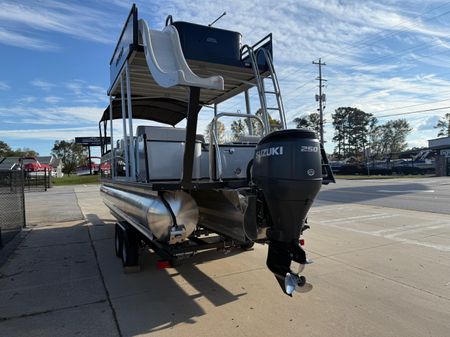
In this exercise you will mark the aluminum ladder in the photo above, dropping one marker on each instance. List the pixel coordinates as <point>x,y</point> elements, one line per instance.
<point>253,56</point>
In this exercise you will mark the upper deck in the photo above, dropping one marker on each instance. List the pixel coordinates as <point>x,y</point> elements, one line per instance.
<point>208,51</point>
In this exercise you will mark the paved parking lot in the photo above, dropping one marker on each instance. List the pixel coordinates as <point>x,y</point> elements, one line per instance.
<point>381,269</point>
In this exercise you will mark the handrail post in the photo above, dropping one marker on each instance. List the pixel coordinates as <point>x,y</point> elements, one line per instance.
<point>124,125</point>
<point>130,123</point>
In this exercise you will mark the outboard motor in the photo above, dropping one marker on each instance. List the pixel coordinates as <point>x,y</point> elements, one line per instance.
<point>287,169</point>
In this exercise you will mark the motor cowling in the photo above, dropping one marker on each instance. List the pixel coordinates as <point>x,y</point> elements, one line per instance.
<point>287,169</point>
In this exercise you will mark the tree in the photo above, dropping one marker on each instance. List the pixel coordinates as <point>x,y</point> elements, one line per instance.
<point>444,126</point>
<point>5,150</point>
<point>375,139</point>
<point>71,154</point>
<point>351,131</point>
<point>312,121</point>
<point>238,128</point>
<point>394,135</point>
<point>274,124</point>
<point>220,132</point>
<point>25,152</point>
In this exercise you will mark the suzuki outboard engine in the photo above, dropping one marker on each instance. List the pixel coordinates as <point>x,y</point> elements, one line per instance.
<point>287,169</point>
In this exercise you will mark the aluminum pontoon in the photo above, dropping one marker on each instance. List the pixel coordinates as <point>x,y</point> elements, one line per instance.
<point>171,189</point>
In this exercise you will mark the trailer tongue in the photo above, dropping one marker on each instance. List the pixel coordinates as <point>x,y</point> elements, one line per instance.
<point>168,187</point>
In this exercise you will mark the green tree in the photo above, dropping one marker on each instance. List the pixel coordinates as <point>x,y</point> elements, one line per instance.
<point>71,154</point>
<point>220,132</point>
<point>311,121</point>
<point>274,123</point>
<point>444,126</point>
<point>238,128</point>
<point>394,135</point>
<point>5,150</point>
<point>25,152</point>
<point>375,139</point>
<point>351,131</point>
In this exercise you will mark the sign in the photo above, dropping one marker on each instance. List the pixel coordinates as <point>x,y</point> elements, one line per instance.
<point>445,153</point>
<point>92,141</point>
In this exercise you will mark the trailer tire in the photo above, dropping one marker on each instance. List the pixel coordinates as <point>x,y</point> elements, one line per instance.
<point>130,248</point>
<point>118,238</point>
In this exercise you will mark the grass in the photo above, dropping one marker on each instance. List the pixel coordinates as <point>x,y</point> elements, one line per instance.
<point>75,180</point>
<point>374,177</point>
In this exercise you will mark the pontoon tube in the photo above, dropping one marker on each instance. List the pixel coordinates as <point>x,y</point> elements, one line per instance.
<point>170,217</point>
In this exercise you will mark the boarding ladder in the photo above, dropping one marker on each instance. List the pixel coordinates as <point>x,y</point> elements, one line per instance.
<point>253,54</point>
<point>259,80</point>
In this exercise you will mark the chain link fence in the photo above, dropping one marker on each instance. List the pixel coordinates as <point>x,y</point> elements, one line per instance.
<point>12,204</point>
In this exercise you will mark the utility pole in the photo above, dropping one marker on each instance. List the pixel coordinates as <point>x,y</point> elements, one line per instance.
<point>321,97</point>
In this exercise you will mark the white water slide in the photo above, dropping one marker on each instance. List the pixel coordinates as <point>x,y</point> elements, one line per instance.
<point>166,61</point>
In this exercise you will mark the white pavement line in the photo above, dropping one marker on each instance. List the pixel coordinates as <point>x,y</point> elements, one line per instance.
<point>444,248</point>
<point>359,217</point>
<point>399,228</point>
<point>424,228</point>
<point>322,209</point>
<point>394,236</point>
<point>406,191</point>
<point>344,228</point>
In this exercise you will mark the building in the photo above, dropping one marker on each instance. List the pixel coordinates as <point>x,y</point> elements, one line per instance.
<point>13,163</point>
<point>442,147</point>
<point>9,163</point>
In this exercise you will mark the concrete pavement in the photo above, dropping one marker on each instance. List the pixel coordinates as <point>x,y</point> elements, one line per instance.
<point>378,271</point>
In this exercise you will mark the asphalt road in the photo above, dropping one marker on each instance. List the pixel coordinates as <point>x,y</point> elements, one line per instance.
<point>418,194</point>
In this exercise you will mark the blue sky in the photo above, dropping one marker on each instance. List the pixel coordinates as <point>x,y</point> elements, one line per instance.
<point>384,57</point>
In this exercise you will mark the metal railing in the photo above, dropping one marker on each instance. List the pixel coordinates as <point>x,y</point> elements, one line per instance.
<point>36,181</point>
<point>215,169</point>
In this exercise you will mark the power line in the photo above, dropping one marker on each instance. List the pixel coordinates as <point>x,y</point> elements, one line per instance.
<point>413,105</point>
<point>418,57</point>
<point>413,112</point>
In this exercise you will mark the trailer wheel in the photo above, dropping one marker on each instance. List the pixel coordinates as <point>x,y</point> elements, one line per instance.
<point>130,249</point>
<point>118,238</point>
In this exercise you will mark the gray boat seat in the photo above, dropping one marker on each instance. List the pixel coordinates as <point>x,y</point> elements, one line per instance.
<point>163,153</point>
<point>169,134</point>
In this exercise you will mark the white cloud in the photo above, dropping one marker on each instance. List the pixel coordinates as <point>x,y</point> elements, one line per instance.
<point>4,86</point>
<point>50,134</point>
<point>52,99</point>
<point>427,123</point>
<point>86,93</point>
<point>16,39</point>
<point>27,99</point>
<point>44,85</point>
<point>78,21</point>
<point>54,115</point>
